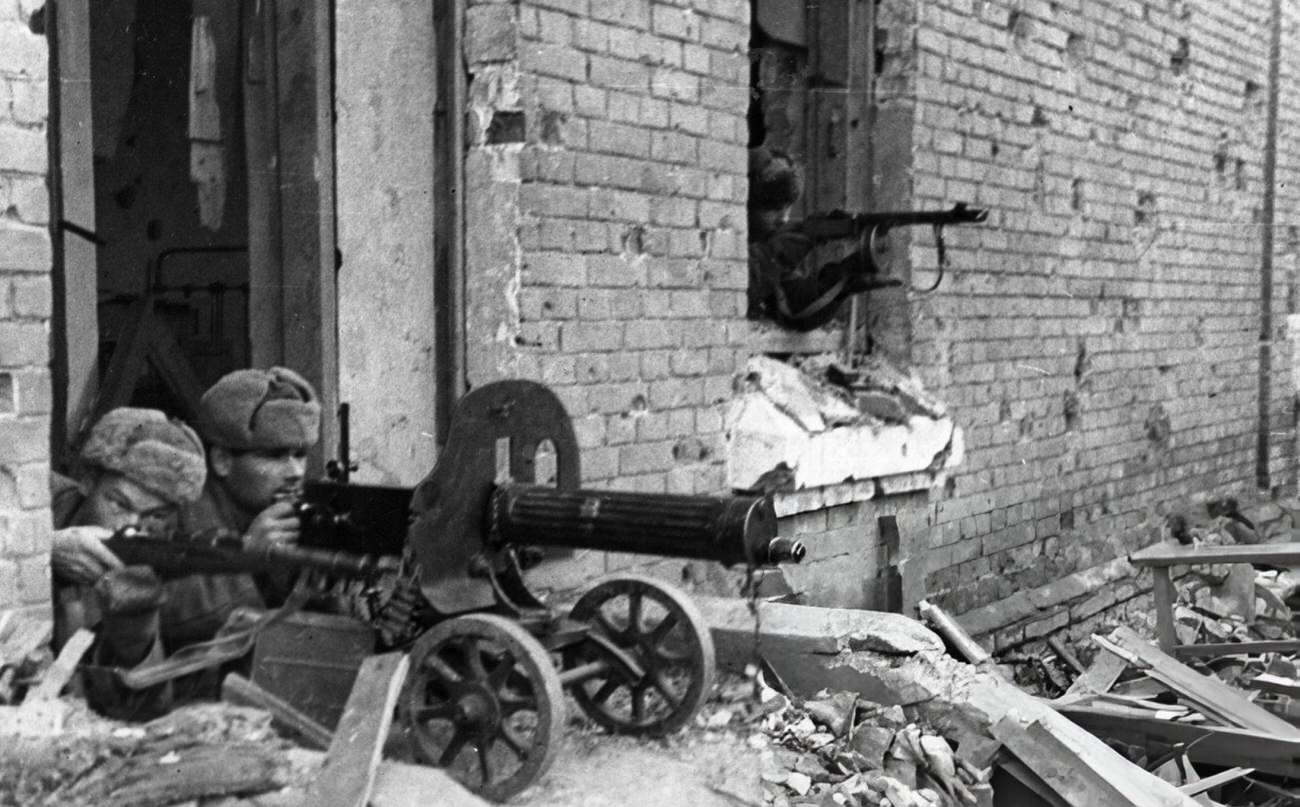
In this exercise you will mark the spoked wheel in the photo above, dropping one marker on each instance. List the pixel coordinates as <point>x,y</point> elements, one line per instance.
<point>484,701</point>
<point>660,629</point>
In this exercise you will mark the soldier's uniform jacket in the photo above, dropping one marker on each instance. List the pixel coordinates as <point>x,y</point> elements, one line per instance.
<point>76,607</point>
<point>786,287</point>
<point>198,605</point>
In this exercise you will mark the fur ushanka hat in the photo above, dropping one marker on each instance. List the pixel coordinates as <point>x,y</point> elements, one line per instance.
<point>256,409</point>
<point>163,456</point>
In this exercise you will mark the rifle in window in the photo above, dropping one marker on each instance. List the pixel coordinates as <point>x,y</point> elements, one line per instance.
<point>844,224</point>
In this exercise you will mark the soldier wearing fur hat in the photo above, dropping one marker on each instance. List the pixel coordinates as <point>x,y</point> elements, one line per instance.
<point>137,468</point>
<point>784,284</point>
<point>258,426</point>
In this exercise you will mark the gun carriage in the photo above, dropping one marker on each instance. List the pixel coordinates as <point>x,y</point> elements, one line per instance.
<point>446,561</point>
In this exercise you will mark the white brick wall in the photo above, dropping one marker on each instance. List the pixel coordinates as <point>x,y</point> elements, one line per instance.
<point>25,305</point>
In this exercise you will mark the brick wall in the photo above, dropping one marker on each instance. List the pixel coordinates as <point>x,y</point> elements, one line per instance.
<point>1099,338</point>
<point>605,239</point>
<point>611,139</point>
<point>25,304</point>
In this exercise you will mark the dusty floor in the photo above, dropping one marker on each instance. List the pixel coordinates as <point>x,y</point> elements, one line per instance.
<point>701,768</point>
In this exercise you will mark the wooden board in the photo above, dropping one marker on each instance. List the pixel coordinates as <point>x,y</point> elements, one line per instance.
<point>1209,695</point>
<point>1216,745</point>
<point>240,691</point>
<point>61,671</point>
<point>348,776</point>
<point>1097,679</point>
<point>1171,554</point>
<point>1237,648</point>
<point>1217,780</point>
<point>1279,684</point>
<point>1058,765</point>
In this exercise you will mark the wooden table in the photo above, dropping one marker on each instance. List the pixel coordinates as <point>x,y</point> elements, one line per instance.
<point>1166,554</point>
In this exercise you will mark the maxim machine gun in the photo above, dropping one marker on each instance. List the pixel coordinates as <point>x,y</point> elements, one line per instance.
<point>443,567</point>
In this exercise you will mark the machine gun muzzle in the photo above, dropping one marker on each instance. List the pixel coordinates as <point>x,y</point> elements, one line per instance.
<point>727,529</point>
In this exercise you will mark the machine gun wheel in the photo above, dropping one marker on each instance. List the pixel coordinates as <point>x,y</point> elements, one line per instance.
<point>484,701</point>
<point>656,626</point>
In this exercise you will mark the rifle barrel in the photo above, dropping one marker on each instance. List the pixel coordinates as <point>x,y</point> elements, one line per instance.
<point>843,224</point>
<point>181,554</point>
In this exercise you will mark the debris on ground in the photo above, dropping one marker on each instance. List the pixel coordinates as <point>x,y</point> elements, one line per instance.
<point>839,748</point>
<point>818,707</point>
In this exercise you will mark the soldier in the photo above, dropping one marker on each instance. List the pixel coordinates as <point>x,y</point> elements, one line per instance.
<point>137,468</point>
<point>784,285</point>
<point>258,426</point>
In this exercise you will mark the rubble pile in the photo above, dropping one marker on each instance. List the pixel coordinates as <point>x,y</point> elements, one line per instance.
<point>203,750</point>
<point>839,748</point>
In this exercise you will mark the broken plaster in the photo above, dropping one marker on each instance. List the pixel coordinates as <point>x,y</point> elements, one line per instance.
<point>787,418</point>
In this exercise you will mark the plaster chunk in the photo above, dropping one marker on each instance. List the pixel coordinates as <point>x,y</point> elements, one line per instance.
<point>789,418</point>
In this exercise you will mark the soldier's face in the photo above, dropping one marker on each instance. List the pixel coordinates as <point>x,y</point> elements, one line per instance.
<point>114,501</point>
<point>766,222</point>
<point>258,478</point>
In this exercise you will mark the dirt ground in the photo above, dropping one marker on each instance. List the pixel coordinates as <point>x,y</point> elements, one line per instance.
<point>696,767</point>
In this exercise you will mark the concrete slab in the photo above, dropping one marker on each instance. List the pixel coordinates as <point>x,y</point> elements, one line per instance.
<point>796,631</point>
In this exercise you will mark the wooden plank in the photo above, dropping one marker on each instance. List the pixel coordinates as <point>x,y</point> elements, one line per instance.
<point>1217,780</point>
<point>1237,648</point>
<point>348,776</point>
<point>1280,684</point>
<point>1059,767</point>
<point>1097,679</point>
<point>240,691</point>
<point>1164,595</point>
<point>1171,554</point>
<point>1211,696</point>
<point>1215,745</point>
<point>58,674</point>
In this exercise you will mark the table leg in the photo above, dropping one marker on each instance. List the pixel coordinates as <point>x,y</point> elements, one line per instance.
<point>1164,594</point>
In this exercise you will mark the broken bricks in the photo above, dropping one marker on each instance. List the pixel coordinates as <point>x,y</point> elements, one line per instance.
<point>939,695</point>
